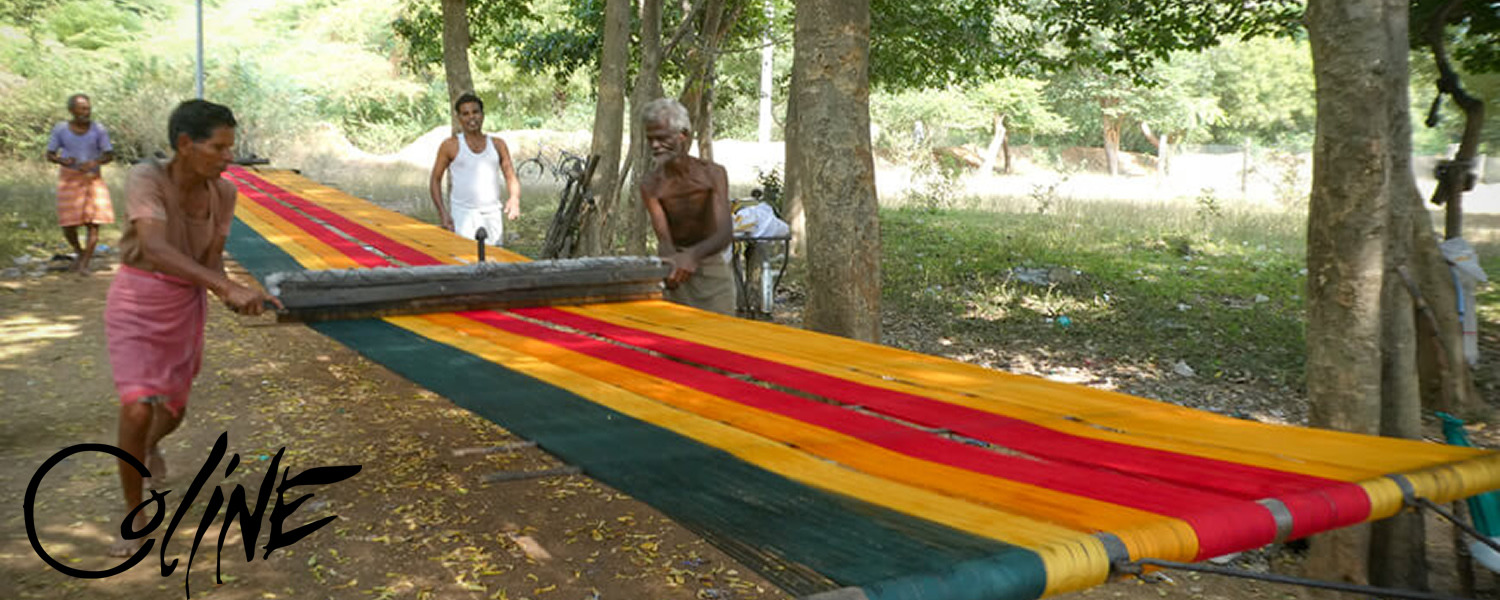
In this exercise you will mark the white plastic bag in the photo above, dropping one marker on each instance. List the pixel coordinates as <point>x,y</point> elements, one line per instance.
<point>1465,264</point>
<point>759,220</point>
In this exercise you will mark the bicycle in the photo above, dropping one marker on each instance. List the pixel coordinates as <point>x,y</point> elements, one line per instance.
<point>567,166</point>
<point>538,166</point>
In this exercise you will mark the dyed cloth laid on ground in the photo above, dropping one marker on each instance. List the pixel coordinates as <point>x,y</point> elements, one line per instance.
<point>827,463</point>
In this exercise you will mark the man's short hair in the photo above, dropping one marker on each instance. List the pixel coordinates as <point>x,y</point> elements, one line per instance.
<point>466,98</point>
<point>198,119</point>
<point>669,111</point>
<point>75,98</point>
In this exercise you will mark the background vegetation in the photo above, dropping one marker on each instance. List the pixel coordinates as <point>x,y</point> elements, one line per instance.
<point>1196,279</point>
<point>371,71</point>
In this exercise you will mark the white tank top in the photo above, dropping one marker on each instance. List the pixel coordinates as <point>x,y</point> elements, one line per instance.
<point>475,177</point>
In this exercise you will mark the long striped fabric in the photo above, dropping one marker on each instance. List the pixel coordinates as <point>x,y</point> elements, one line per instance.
<point>832,465</point>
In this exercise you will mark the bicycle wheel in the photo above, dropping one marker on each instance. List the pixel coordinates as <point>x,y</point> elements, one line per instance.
<point>570,166</point>
<point>532,168</point>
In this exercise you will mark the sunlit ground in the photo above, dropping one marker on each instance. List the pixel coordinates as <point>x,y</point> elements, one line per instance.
<point>25,333</point>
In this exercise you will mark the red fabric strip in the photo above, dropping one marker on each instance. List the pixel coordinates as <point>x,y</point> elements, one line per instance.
<point>1316,503</point>
<point>1211,514</point>
<point>394,249</point>
<point>342,244</point>
<point>1224,524</point>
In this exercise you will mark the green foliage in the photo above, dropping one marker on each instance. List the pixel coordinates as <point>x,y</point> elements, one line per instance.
<point>1179,98</point>
<point>936,183</point>
<point>1020,100</point>
<point>937,43</point>
<point>93,24</point>
<point>136,104</point>
<point>912,122</point>
<point>568,44</point>
<point>34,86</point>
<point>1472,32</point>
<point>491,22</point>
<point>1128,37</point>
<point>25,14</point>
<point>1265,89</point>
<point>1209,207</point>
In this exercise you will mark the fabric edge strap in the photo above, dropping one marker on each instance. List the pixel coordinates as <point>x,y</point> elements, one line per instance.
<point>847,593</point>
<point>1282,515</point>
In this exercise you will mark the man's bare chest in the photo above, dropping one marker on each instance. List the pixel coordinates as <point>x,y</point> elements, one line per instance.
<point>686,192</point>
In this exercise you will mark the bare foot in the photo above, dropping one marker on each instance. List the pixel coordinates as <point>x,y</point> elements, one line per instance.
<point>157,464</point>
<point>123,547</point>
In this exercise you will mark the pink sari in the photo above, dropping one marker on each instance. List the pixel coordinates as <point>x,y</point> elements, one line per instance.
<point>154,323</point>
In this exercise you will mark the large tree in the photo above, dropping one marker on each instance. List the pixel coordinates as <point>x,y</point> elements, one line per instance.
<point>834,166</point>
<point>463,25</point>
<point>456,53</point>
<point>609,124</point>
<point>1371,251</point>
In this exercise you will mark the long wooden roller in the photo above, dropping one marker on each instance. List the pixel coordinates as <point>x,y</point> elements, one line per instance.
<point>340,294</point>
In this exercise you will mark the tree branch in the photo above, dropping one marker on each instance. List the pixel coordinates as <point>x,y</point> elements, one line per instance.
<point>683,28</point>
<point>1455,177</point>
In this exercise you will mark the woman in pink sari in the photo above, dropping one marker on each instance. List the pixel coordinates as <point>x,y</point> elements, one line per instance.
<point>178,217</point>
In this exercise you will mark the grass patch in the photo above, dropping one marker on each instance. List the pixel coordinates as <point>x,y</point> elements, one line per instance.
<point>1160,282</point>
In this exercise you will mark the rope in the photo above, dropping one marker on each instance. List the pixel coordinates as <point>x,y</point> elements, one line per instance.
<point>1135,568</point>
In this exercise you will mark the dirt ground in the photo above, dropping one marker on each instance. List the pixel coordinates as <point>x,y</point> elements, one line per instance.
<point>416,522</point>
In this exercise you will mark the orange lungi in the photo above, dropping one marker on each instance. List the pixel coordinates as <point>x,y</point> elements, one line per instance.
<point>82,198</point>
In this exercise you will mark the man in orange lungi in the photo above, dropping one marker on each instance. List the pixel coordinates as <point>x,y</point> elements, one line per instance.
<point>80,147</point>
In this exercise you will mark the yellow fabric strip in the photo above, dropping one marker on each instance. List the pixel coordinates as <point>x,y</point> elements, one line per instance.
<point>790,430</point>
<point>1105,415</point>
<point>307,250</point>
<point>434,241</point>
<point>797,450</point>
<point>1033,502</point>
<point>1074,560</point>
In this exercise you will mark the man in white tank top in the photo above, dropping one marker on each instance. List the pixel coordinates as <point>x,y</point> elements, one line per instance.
<point>475,162</point>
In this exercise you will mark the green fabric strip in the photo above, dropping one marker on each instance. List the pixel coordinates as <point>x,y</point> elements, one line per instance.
<point>761,517</point>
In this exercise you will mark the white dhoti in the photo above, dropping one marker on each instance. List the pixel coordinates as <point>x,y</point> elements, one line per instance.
<point>475,197</point>
<point>467,221</point>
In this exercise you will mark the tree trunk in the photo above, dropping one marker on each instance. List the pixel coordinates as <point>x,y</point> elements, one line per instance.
<point>1447,381</point>
<point>792,204</point>
<point>697,95</point>
<point>1360,330</point>
<point>1397,545</point>
<point>767,73</point>
<point>647,88</point>
<point>1163,145</point>
<point>1452,388</point>
<point>1005,149</point>
<point>996,144</point>
<point>836,168</point>
<point>609,124</point>
<point>1111,125</point>
<point>456,54</point>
